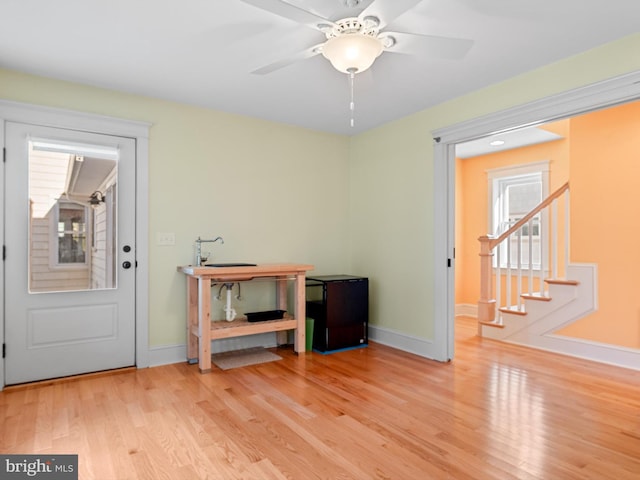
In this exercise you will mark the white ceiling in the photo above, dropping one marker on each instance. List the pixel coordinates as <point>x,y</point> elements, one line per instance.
<point>201,52</point>
<point>512,139</point>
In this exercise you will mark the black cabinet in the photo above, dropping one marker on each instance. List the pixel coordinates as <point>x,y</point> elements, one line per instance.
<point>339,305</point>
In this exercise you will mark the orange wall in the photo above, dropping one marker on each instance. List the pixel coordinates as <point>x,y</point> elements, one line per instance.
<point>459,234</point>
<point>602,154</point>
<point>605,219</point>
<point>472,207</point>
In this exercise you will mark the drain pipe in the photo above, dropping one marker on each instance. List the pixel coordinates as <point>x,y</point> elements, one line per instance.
<point>228,310</point>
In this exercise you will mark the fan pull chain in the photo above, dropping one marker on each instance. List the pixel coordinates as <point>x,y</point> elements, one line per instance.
<point>352,104</point>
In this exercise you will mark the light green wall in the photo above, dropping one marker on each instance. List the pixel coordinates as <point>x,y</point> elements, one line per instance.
<point>276,193</point>
<point>391,183</point>
<point>392,216</point>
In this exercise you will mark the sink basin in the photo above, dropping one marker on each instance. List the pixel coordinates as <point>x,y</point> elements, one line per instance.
<point>230,264</point>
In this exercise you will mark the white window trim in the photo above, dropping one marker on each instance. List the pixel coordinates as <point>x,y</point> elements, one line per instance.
<point>542,167</point>
<point>54,264</point>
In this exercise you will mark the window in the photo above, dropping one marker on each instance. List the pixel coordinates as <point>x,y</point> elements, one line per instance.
<point>514,192</point>
<point>71,234</point>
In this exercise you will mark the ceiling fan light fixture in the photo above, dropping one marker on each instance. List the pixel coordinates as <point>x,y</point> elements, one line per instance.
<point>352,52</point>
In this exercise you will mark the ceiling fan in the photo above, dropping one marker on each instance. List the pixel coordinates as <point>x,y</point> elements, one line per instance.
<point>352,44</point>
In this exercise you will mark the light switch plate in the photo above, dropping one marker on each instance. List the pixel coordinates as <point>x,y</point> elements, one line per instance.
<point>165,238</point>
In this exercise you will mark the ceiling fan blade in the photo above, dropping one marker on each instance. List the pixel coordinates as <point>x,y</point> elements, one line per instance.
<point>429,45</point>
<point>285,62</point>
<point>387,10</point>
<point>291,12</point>
<point>510,9</point>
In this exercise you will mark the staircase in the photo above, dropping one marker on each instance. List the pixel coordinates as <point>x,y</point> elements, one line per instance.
<point>526,305</point>
<point>563,302</point>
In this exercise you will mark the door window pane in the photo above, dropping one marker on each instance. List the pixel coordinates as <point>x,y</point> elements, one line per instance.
<point>73,217</point>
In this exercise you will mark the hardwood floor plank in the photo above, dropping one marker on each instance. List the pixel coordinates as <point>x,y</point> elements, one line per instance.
<point>497,411</point>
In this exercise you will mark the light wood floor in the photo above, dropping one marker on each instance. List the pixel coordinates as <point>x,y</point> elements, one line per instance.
<point>495,412</point>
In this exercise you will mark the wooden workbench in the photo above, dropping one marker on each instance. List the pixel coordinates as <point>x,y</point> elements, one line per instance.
<point>200,327</point>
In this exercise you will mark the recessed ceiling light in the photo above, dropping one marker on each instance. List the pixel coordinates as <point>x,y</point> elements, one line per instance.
<point>496,143</point>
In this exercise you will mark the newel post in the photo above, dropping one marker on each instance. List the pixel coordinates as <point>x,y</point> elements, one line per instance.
<point>486,304</point>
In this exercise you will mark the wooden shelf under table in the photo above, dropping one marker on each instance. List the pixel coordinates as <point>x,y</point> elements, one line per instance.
<point>241,326</point>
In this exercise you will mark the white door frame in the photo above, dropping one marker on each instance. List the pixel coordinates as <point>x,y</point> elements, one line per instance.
<point>73,120</point>
<point>607,93</point>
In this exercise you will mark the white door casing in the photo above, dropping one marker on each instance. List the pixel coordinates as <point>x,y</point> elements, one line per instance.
<point>80,121</point>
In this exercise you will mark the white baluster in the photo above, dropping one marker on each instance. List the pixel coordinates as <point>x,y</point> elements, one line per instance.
<point>544,249</point>
<point>567,230</point>
<point>530,278</point>
<point>554,240</point>
<point>519,266</point>
<point>498,289</point>
<point>508,279</point>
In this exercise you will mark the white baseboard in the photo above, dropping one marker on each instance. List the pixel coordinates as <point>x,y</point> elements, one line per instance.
<point>587,350</point>
<point>266,340</point>
<point>402,341</point>
<point>466,309</point>
<point>167,354</point>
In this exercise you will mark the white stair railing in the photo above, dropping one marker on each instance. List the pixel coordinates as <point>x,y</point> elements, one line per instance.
<point>519,238</point>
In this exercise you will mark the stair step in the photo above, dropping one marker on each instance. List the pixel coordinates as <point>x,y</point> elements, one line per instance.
<point>492,324</point>
<point>536,296</point>
<point>513,310</point>
<point>561,281</point>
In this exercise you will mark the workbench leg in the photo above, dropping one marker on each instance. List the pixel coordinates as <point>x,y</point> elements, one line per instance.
<point>204,324</point>
<point>192,320</point>
<point>281,304</point>
<point>300,313</point>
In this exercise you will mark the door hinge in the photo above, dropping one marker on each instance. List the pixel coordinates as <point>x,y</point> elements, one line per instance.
<point>4,350</point>
<point>4,154</point>
<point>4,252</point>
<point>448,262</point>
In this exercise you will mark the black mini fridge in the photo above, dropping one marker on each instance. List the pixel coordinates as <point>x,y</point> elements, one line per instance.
<point>339,305</point>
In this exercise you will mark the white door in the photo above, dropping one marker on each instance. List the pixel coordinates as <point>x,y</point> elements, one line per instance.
<point>70,252</point>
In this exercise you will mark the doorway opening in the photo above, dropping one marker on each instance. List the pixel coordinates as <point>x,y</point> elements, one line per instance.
<point>546,114</point>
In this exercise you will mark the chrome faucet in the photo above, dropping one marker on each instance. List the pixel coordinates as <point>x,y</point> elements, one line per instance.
<point>199,243</point>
